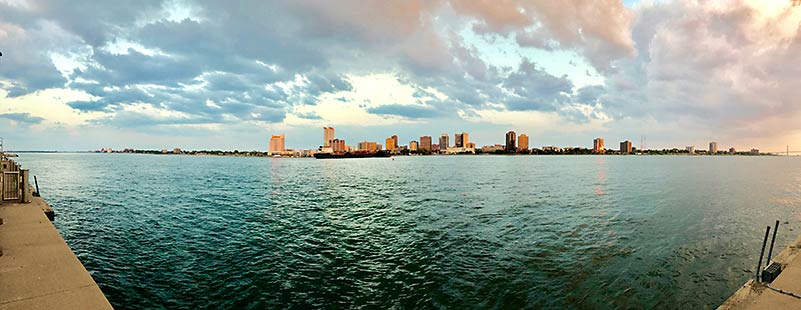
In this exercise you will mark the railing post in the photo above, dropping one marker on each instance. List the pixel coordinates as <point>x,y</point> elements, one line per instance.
<point>25,196</point>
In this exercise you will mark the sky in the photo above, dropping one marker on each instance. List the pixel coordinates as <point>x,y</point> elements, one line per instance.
<point>85,75</point>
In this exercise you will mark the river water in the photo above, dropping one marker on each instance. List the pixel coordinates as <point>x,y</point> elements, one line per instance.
<point>674,232</point>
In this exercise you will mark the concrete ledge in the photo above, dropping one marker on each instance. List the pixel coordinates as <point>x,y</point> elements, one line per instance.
<point>38,270</point>
<point>755,295</point>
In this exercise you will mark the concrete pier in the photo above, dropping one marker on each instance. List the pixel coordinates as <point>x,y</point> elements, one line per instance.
<point>755,295</point>
<point>38,270</point>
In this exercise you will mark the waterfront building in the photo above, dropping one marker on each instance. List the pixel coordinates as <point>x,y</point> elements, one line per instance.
<point>367,146</point>
<point>176,150</point>
<point>598,145</point>
<point>754,151</point>
<point>328,136</point>
<point>338,146</point>
<point>492,148</point>
<point>435,147</point>
<point>443,142</point>
<point>391,143</point>
<point>413,145</point>
<point>471,145</point>
<point>395,141</point>
<point>552,148</point>
<point>425,143</point>
<point>511,143</point>
<point>522,142</point>
<point>459,150</point>
<point>277,145</point>
<point>713,147</point>
<point>690,149</point>
<point>732,151</point>
<point>625,147</point>
<point>461,139</point>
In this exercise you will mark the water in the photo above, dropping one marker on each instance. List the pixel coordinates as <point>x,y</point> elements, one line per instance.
<point>419,232</point>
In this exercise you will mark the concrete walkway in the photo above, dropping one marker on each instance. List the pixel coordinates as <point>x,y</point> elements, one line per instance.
<point>756,296</point>
<point>38,270</point>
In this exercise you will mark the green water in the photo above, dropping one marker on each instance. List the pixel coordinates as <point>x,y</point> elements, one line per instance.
<point>419,232</point>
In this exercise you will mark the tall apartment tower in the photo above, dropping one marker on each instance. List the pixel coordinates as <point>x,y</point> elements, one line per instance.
<point>522,142</point>
<point>328,136</point>
<point>625,147</point>
<point>443,142</point>
<point>461,139</point>
<point>511,141</point>
<point>713,147</point>
<point>413,145</point>
<point>425,143</point>
<point>391,143</point>
<point>277,144</point>
<point>598,145</point>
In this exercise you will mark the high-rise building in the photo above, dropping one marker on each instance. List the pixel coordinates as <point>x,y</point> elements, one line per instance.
<point>277,144</point>
<point>511,143</point>
<point>713,147</point>
<point>413,145</point>
<point>366,146</point>
<point>425,143</point>
<point>461,139</point>
<point>391,143</point>
<point>443,142</point>
<point>395,141</point>
<point>690,149</point>
<point>338,146</point>
<point>598,145</point>
<point>625,147</point>
<point>328,136</point>
<point>522,142</point>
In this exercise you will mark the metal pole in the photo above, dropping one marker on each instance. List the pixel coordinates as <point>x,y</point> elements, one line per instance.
<point>762,253</point>
<point>772,240</point>
<point>36,182</point>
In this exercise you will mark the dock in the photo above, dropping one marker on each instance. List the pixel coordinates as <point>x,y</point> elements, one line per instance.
<point>38,270</point>
<point>755,295</point>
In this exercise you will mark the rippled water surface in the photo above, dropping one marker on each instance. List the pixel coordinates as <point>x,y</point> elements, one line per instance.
<point>419,232</point>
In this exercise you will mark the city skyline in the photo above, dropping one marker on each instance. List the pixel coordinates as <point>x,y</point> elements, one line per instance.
<point>216,76</point>
<point>461,143</point>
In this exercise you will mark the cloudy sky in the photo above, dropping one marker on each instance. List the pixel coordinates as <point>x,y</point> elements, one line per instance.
<point>81,75</point>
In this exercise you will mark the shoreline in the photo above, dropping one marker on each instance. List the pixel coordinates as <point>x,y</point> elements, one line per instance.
<point>38,269</point>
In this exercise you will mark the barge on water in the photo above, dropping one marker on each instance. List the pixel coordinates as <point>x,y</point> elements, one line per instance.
<point>352,155</point>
